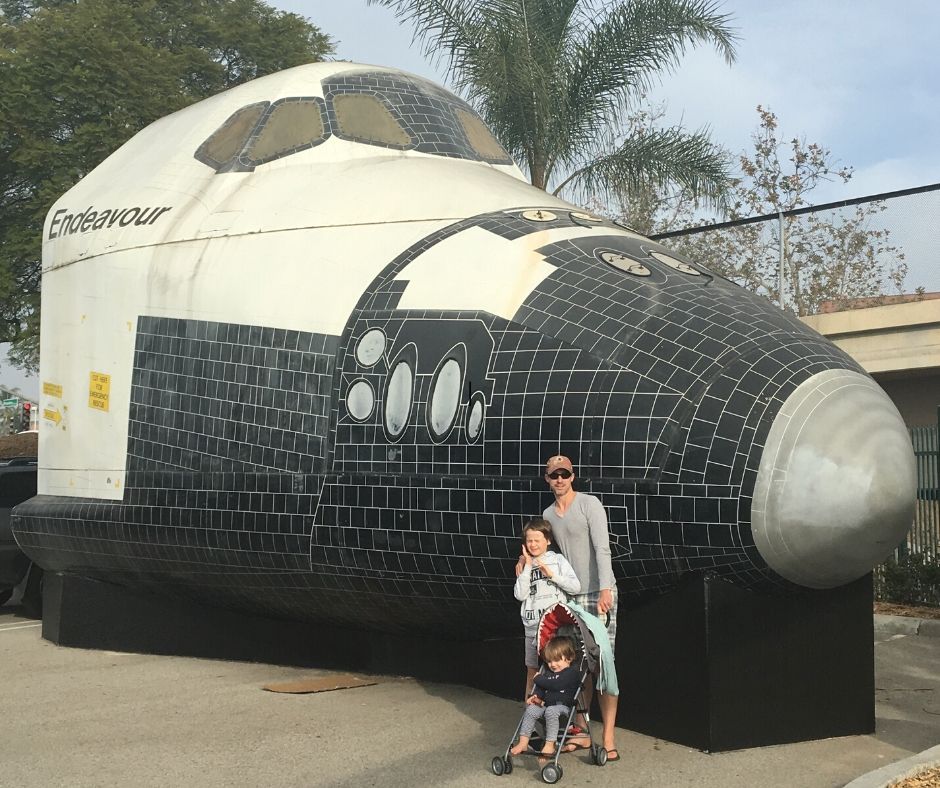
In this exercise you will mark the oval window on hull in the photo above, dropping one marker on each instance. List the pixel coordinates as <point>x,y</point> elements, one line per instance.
<point>444,399</point>
<point>370,347</point>
<point>399,394</point>
<point>475,415</point>
<point>360,400</point>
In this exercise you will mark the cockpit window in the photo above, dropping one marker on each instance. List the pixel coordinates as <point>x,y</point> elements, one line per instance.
<point>229,139</point>
<point>364,118</point>
<point>292,124</point>
<point>369,107</point>
<point>480,138</point>
<point>432,118</point>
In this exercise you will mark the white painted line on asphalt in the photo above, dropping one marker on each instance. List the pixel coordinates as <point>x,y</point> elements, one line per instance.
<point>11,627</point>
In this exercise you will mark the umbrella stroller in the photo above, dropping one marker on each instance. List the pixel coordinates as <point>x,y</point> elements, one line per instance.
<point>562,620</point>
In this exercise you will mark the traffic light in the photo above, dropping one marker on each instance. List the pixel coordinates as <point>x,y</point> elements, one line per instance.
<point>27,413</point>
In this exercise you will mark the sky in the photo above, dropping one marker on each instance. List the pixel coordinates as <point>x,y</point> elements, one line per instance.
<point>856,76</point>
<point>859,77</point>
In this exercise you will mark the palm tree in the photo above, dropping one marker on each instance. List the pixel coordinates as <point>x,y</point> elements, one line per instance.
<point>555,79</point>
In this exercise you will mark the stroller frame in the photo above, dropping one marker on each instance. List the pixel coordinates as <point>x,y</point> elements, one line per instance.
<point>552,620</point>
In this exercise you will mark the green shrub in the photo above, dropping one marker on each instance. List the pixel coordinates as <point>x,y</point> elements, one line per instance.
<point>913,579</point>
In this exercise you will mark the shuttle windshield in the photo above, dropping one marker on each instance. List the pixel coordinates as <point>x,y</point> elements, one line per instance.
<point>373,108</point>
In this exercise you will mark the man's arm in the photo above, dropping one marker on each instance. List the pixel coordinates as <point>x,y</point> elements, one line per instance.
<point>600,542</point>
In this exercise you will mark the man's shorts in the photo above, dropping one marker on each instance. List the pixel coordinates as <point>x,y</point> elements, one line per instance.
<point>589,602</point>
<point>531,652</point>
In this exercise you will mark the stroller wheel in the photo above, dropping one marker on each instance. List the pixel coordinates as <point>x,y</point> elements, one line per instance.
<point>600,756</point>
<point>507,765</point>
<point>551,773</point>
<point>497,766</point>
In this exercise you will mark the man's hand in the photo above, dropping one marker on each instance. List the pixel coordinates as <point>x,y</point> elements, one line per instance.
<point>605,601</point>
<point>534,700</point>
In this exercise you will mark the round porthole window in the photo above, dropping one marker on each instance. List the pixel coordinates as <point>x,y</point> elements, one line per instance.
<point>539,215</point>
<point>445,398</point>
<point>677,264</point>
<point>398,398</point>
<point>360,400</point>
<point>370,347</point>
<point>475,417</point>
<point>624,263</point>
<point>580,216</point>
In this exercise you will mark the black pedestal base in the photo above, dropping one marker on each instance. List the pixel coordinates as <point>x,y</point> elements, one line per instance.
<point>719,668</point>
<point>89,614</point>
<point>709,665</point>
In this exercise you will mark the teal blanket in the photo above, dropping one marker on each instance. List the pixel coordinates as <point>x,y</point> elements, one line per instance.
<point>607,669</point>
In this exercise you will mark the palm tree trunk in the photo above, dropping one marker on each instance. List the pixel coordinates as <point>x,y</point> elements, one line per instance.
<point>537,169</point>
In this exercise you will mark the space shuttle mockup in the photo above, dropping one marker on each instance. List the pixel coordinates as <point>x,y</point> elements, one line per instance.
<point>306,344</point>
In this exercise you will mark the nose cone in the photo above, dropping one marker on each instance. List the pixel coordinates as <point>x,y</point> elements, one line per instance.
<point>837,483</point>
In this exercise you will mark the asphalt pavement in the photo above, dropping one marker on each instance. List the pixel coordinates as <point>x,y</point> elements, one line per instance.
<point>96,718</point>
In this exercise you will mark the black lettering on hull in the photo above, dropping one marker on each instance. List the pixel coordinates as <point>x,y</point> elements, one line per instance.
<point>89,220</point>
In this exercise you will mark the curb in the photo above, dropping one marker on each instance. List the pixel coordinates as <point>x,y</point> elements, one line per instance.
<point>900,770</point>
<point>905,625</point>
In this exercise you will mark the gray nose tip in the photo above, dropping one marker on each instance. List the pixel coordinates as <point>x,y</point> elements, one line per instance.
<point>837,483</point>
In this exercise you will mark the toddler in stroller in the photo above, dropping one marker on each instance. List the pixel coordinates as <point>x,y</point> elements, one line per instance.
<point>570,653</point>
<point>553,694</point>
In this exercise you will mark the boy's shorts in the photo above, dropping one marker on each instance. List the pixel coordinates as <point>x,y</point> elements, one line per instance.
<point>531,652</point>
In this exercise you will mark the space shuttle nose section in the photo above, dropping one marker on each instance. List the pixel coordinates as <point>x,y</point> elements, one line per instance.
<point>837,484</point>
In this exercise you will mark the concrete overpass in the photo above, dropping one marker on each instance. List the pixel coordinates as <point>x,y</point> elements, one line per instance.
<point>899,346</point>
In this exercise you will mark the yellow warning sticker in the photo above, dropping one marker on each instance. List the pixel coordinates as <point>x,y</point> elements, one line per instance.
<point>52,414</point>
<point>99,391</point>
<point>52,389</point>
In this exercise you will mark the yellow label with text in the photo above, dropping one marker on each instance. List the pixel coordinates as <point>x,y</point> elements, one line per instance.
<point>99,391</point>
<point>52,389</point>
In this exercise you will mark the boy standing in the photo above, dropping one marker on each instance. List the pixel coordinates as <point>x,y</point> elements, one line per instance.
<point>545,579</point>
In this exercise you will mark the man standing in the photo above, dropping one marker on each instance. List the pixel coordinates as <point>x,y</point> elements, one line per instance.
<point>579,523</point>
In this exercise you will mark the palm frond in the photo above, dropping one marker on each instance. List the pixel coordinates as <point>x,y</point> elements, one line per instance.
<point>660,158</point>
<point>552,77</point>
<point>622,55</point>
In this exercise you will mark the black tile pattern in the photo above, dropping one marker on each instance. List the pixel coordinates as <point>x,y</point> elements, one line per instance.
<point>250,484</point>
<point>209,397</point>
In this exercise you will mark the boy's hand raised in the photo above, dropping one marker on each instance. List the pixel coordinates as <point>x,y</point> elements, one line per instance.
<point>546,572</point>
<point>524,560</point>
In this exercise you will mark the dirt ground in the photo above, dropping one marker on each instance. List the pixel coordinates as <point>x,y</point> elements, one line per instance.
<point>25,445</point>
<point>890,609</point>
<point>926,779</point>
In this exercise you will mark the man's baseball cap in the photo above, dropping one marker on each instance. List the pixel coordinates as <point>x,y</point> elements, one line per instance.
<point>556,462</point>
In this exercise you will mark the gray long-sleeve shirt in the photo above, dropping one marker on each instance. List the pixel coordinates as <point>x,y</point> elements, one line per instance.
<point>584,539</point>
